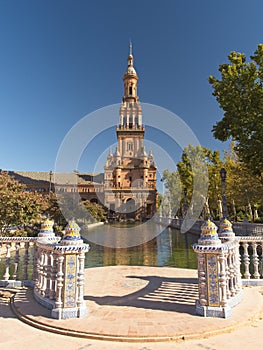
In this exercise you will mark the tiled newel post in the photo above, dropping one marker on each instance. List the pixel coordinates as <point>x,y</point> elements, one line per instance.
<point>218,270</point>
<point>70,274</point>
<point>42,262</point>
<point>59,281</point>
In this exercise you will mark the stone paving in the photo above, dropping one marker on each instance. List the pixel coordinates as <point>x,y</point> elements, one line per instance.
<point>140,304</point>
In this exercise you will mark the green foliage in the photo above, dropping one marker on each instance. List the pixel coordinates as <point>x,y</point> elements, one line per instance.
<point>17,207</point>
<point>243,189</point>
<point>195,161</point>
<point>239,93</point>
<point>62,207</point>
<point>191,174</point>
<point>96,211</point>
<point>52,210</point>
<point>172,196</point>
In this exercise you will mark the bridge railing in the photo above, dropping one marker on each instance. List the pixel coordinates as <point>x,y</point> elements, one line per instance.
<point>251,256</point>
<point>16,257</point>
<point>54,267</point>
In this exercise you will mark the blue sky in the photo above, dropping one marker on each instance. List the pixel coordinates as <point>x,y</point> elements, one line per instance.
<point>61,60</point>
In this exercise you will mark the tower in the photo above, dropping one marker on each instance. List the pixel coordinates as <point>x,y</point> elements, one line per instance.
<point>130,173</point>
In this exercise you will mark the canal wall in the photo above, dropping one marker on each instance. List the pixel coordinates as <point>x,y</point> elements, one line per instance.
<point>177,223</point>
<point>240,228</point>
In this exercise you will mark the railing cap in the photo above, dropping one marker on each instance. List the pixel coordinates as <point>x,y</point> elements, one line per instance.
<point>209,236</point>
<point>225,229</point>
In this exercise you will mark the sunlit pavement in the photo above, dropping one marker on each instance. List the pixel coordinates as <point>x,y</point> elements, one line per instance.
<point>142,304</point>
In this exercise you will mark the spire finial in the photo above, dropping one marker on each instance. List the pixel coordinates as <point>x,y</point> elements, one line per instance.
<point>130,47</point>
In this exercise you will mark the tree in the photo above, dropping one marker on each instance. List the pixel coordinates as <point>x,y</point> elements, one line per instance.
<point>63,206</point>
<point>17,207</point>
<point>192,174</point>
<point>53,211</point>
<point>243,189</point>
<point>239,93</point>
<point>173,187</point>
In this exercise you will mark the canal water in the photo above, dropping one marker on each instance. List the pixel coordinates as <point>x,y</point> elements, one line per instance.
<point>162,247</point>
<point>168,248</point>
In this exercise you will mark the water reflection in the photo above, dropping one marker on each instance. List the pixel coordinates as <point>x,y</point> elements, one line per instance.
<point>169,248</point>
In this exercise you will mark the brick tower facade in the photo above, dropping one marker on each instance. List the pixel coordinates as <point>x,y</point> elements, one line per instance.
<point>130,173</point>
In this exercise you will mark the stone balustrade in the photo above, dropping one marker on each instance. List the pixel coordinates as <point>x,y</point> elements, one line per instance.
<point>57,268</point>
<point>251,255</point>
<point>15,257</point>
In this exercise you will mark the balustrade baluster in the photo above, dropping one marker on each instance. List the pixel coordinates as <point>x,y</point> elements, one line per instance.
<point>26,261</point>
<point>7,262</point>
<point>260,267</point>
<point>237,264</point>
<point>223,279</point>
<point>80,279</point>
<point>246,260</point>
<point>16,261</point>
<point>53,277</point>
<point>60,275</point>
<point>255,260</point>
<point>228,276</point>
<point>48,274</point>
<point>35,267</point>
<point>232,272</point>
<point>202,280</point>
<point>40,271</point>
<point>44,274</point>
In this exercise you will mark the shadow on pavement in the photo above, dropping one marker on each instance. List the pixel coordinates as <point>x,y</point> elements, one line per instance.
<point>161,293</point>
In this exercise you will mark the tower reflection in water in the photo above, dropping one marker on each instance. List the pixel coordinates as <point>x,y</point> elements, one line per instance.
<point>169,248</point>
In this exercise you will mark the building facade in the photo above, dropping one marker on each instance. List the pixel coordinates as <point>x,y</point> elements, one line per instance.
<point>128,186</point>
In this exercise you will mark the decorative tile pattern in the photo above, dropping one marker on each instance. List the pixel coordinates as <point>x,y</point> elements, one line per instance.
<point>212,279</point>
<point>70,281</point>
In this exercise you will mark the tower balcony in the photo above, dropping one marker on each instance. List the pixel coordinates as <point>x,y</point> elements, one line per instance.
<point>130,127</point>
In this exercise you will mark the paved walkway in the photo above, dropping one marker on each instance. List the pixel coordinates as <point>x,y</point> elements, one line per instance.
<point>143,304</point>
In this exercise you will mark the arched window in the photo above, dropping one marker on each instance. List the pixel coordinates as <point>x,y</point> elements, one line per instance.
<point>130,90</point>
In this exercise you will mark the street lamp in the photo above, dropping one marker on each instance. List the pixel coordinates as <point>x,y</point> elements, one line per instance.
<point>223,182</point>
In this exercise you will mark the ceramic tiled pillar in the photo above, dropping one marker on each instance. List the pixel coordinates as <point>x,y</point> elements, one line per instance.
<point>218,270</point>
<point>212,277</point>
<point>59,272</point>
<point>71,254</point>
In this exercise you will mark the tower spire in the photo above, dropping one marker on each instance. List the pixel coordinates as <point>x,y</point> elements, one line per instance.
<point>130,79</point>
<point>130,47</point>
